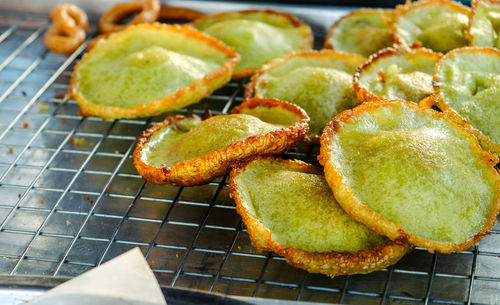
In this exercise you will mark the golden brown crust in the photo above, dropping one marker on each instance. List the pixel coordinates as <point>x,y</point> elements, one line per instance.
<point>361,11</point>
<point>328,263</point>
<point>202,170</point>
<point>251,87</point>
<point>96,40</point>
<point>373,220</point>
<point>363,94</point>
<point>403,9</point>
<point>147,10</point>
<point>237,74</point>
<point>171,13</point>
<point>445,107</point>
<point>473,5</point>
<point>182,97</point>
<point>293,20</point>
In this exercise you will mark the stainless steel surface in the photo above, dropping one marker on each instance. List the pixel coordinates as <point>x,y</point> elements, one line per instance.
<point>67,206</point>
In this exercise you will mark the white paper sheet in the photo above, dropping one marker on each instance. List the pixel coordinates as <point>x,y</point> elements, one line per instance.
<point>125,280</point>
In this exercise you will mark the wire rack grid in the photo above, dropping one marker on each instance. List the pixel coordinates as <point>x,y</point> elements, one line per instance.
<point>71,199</point>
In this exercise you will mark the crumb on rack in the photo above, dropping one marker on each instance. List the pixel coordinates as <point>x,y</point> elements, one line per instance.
<point>68,222</point>
<point>108,189</point>
<point>43,107</point>
<point>26,124</point>
<point>206,115</point>
<point>152,262</point>
<point>79,141</point>
<point>63,119</point>
<point>11,150</point>
<point>42,201</point>
<point>19,195</point>
<point>88,199</point>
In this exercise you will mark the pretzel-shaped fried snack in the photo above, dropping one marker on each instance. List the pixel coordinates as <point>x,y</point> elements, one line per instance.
<point>182,14</point>
<point>147,10</point>
<point>68,31</point>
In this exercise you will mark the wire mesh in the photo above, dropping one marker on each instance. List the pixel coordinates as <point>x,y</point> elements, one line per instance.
<point>71,199</point>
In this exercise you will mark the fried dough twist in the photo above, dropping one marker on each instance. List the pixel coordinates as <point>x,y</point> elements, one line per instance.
<point>147,10</point>
<point>68,30</point>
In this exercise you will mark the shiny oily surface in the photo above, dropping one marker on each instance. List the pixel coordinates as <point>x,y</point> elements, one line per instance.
<point>194,138</point>
<point>362,32</point>
<point>300,211</point>
<point>136,67</point>
<point>257,36</point>
<point>437,25</point>
<point>412,169</point>
<point>485,24</point>
<point>406,76</point>
<point>320,83</point>
<point>470,84</point>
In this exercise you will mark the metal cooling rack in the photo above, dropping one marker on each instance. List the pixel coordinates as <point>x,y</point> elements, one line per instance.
<point>71,199</point>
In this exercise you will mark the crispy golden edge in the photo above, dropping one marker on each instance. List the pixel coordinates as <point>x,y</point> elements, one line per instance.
<point>361,11</point>
<point>328,263</point>
<point>179,14</point>
<point>363,94</point>
<point>237,74</point>
<point>251,87</point>
<point>408,6</point>
<point>373,220</point>
<point>202,170</point>
<point>474,4</point>
<point>182,97</point>
<point>97,40</point>
<point>441,103</point>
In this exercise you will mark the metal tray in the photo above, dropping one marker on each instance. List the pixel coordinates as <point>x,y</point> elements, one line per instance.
<point>65,208</point>
<point>16,290</point>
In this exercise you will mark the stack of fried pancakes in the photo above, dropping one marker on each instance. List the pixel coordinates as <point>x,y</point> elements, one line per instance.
<point>397,173</point>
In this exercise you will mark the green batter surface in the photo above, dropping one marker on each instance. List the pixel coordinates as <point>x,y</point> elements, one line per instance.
<point>416,171</point>
<point>300,211</point>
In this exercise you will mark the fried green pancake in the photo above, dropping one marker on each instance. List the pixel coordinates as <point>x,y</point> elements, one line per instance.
<point>363,32</point>
<point>396,74</point>
<point>257,36</point>
<point>188,151</point>
<point>440,25</point>
<point>318,81</point>
<point>409,172</point>
<point>467,83</point>
<point>148,69</point>
<point>484,26</point>
<point>289,208</point>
